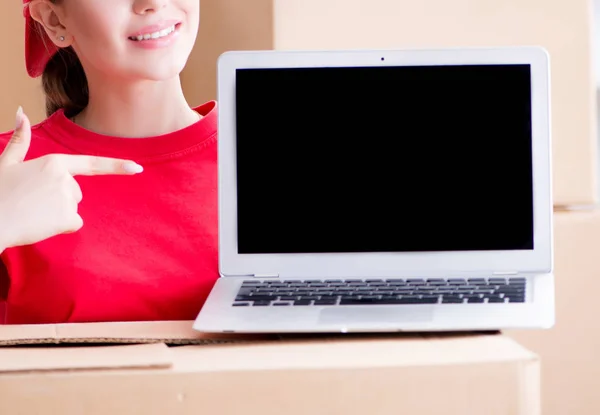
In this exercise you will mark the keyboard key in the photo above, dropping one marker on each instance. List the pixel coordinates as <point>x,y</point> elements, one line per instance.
<point>261,297</point>
<point>241,304</point>
<point>278,285</point>
<point>326,302</point>
<point>302,302</point>
<point>370,301</point>
<point>281,304</point>
<point>452,299</point>
<point>298,285</point>
<point>429,299</point>
<point>251,283</point>
<point>261,303</point>
<point>403,292</point>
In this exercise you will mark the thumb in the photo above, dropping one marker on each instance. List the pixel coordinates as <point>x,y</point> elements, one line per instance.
<point>18,145</point>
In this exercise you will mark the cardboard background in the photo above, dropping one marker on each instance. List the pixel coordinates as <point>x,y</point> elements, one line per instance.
<point>564,28</point>
<point>569,351</point>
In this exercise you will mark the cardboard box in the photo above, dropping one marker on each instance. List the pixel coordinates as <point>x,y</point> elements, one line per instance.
<point>421,375</point>
<point>564,28</point>
<point>569,350</point>
<point>167,332</point>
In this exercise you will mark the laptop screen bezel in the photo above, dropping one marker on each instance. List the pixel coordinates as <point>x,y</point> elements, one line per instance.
<point>330,265</point>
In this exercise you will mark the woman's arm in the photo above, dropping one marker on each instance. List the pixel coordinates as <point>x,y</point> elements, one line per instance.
<point>39,198</point>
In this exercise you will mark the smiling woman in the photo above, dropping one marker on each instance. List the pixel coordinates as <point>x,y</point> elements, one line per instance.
<point>122,246</point>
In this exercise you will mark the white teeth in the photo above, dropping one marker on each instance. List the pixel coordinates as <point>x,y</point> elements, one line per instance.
<point>155,35</point>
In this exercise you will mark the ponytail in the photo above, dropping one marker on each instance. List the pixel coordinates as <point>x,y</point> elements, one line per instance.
<point>65,84</point>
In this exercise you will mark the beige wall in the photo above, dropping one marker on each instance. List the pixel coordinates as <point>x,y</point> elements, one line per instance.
<point>225,25</point>
<point>15,86</point>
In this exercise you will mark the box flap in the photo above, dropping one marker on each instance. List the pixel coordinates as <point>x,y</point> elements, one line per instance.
<point>29,359</point>
<point>342,351</point>
<point>169,332</point>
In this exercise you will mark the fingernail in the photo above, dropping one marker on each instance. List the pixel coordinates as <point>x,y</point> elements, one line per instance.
<point>131,167</point>
<point>19,118</point>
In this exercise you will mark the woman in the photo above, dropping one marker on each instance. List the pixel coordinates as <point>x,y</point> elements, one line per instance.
<point>90,237</point>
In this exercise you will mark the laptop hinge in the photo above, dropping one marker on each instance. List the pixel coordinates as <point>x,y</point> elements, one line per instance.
<point>505,273</point>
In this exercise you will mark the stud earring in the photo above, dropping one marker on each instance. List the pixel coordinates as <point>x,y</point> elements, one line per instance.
<point>61,38</point>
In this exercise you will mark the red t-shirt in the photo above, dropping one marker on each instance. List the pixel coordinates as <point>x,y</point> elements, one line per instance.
<point>148,246</point>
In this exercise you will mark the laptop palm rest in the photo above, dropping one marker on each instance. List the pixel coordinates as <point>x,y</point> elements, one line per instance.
<point>375,314</point>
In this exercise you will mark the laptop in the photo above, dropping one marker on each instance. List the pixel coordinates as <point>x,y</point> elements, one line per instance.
<point>383,191</point>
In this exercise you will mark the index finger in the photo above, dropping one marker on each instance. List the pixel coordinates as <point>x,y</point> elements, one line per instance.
<point>95,166</point>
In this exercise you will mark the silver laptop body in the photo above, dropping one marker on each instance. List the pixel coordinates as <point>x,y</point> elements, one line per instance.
<point>365,191</point>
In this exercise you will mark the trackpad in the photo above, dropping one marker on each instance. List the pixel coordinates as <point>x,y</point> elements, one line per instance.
<point>376,314</point>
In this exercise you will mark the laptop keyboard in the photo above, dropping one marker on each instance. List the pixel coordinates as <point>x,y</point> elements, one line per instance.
<point>380,292</point>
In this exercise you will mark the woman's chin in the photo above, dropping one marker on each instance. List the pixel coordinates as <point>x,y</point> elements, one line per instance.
<point>158,72</point>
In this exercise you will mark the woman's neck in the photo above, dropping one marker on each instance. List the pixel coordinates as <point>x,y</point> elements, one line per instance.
<point>144,109</point>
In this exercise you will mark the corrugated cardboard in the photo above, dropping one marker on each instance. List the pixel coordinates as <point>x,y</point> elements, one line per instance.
<point>564,28</point>
<point>569,350</point>
<point>453,375</point>
<point>27,360</point>
<point>168,332</point>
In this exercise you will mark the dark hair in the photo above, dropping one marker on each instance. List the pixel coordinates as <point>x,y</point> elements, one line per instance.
<point>64,82</point>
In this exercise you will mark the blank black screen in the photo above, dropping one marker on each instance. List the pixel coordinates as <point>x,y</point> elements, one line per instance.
<point>384,159</point>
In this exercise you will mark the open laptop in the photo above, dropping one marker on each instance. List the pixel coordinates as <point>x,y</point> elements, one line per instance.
<point>366,191</point>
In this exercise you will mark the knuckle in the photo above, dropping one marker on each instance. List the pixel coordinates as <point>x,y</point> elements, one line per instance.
<point>16,138</point>
<point>93,165</point>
